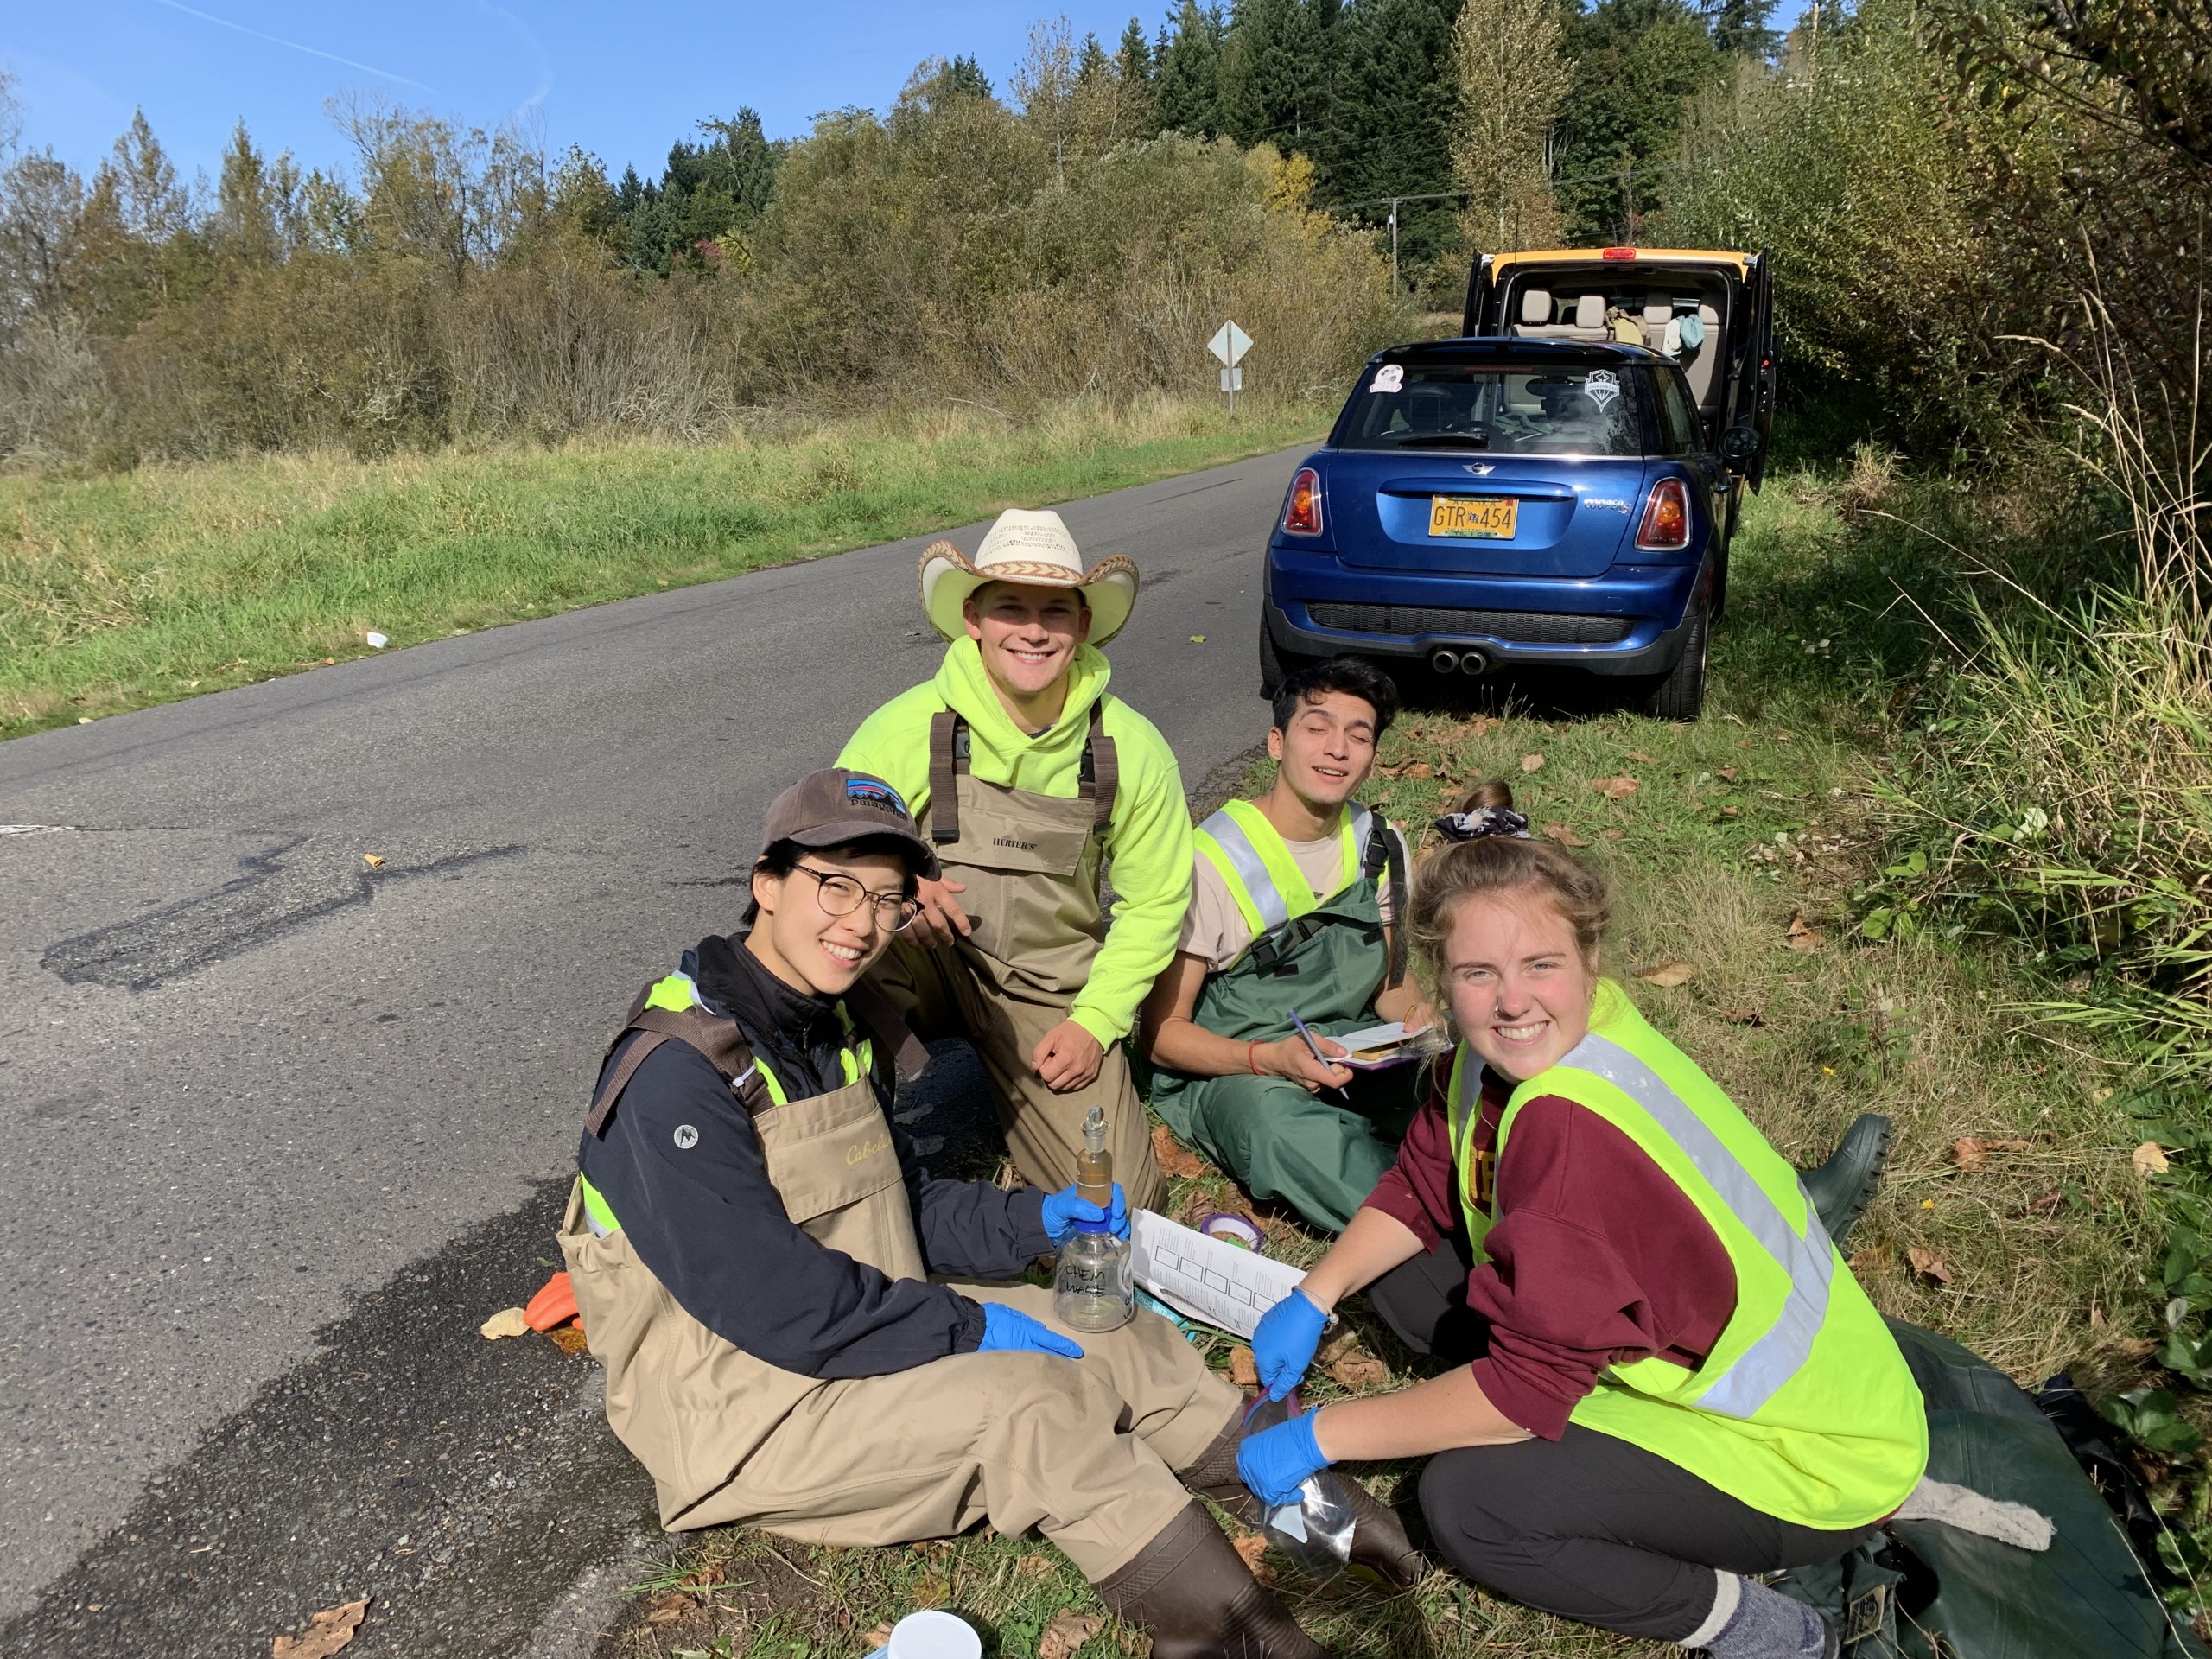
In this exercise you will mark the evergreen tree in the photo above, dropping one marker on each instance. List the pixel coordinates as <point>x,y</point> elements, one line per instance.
<point>709,192</point>
<point>1275,71</point>
<point>1133,75</point>
<point>1741,27</point>
<point>1187,91</point>
<point>256,220</point>
<point>1636,64</point>
<point>1392,118</point>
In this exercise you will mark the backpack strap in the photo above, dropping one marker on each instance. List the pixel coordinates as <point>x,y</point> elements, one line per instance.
<point>888,1027</point>
<point>946,728</point>
<point>1386,850</point>
<point>717,1039</point>
<point>1102,769</point>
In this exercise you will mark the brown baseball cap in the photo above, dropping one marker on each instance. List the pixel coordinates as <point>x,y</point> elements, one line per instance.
<point>835,808</point>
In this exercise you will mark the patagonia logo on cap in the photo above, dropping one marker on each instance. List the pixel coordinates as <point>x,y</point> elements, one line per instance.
<point>865,791</point>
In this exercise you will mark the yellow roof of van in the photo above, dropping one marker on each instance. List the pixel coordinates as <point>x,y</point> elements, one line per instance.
<point>1622,256</point>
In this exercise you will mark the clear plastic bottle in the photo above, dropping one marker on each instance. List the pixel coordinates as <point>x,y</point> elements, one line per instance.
<point>1094,1286</point>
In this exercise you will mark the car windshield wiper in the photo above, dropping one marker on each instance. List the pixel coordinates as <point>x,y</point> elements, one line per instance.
<point>1439,439</point>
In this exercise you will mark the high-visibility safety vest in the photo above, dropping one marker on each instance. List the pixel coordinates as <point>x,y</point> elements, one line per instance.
<point>1805,1408</point>
<point>678,994</point>
<point>1264,881</point>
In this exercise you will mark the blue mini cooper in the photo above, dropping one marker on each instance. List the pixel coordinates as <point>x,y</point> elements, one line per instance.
<point>1492,504</point>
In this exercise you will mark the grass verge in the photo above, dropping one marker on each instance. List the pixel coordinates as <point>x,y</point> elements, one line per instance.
<point>120,591</point>
<point>2012,1218</point>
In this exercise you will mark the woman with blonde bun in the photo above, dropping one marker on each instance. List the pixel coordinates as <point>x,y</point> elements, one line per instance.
<point>1665,1380</point>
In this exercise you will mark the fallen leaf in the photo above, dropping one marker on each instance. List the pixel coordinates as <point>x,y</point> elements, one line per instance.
<point>2045,1205</point>
<point>878,1638</point>
<point>1971,1152</point>
<point>2137,1347</point>
<point>1532,763</point>
<point>1728,774</point>
<point>569,1339</point>
<point>1360,1372</point>
<point>1345,1341</point>
<point>1565,836</point>
<point>1929,1265</point>
<point>1254,1548</point>
<point>1479,725</point>
<point>1785,737</point>
<point>1067,1632</point>
<point>1730,812</point>
<point>1418,769</point>
<point>329,661</point>
<point>507,1322</point>
<point>1668,974</point>
<point>327,1632</point>
<point>374,861</point>
<point>1640,759</point>
<point>1741,1016</point>
<point>1614,835</point>
<point>1197,639</point>
<point>1034,1567</point>
<point>1803,937</point>
<point>1747,743</point>
<point>670,1608</point>
<point>2149,1158</point>
<point>1172,1156</point>
<point>1243,1369</point>
<point>1875,1258</point>
<point>1615,789</point>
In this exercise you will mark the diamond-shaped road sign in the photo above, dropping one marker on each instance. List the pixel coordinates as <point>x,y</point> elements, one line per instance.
<point>1230,345</point>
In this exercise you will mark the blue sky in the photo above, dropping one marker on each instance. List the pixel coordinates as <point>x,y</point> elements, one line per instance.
<point>624,81</point>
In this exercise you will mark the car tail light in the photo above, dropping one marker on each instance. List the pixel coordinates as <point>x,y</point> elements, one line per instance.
<point>1665,526</point>
<point>1617,253</point>
<point>1301,514</point>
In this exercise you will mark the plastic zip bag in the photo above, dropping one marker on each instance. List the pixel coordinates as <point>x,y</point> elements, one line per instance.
<point>1315,1532</point>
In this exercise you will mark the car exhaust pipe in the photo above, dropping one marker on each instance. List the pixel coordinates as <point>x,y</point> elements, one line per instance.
<point>1444,661</point>
<point>1473,662</point>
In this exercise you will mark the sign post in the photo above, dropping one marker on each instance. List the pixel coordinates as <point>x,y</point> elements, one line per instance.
<point>1230,345</point>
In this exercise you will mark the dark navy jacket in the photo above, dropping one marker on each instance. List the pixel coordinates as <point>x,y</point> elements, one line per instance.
<point>702,1216</point>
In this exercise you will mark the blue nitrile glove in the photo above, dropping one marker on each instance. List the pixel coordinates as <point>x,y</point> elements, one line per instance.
<point>1008,1330</point>
<point>1063,1210</point>
<point>1275,1461</point>
<point>1284,1343</point>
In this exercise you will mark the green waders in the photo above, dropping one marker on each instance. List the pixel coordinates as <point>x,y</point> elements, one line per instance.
<point>1310,1151</point>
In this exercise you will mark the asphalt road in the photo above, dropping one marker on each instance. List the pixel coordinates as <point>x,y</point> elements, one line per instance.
<point>281,1129</point>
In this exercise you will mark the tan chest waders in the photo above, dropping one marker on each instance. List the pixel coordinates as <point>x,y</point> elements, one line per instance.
<point>1083,1450</point>
<point>1030,864</point>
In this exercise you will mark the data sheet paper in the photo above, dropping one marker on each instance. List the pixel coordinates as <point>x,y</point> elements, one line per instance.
<point>1204,1278</point>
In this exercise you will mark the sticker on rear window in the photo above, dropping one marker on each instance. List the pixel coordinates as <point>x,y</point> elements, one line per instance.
<point>1391,377</point>
<point>1602,386</point>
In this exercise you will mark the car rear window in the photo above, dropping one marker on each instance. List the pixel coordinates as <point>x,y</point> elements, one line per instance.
<point>1505,410</point>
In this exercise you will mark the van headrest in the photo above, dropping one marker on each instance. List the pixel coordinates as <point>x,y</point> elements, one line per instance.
<point>1535,305</point>
<point>1658,313</point>
<point>1711,316</point>
<point>1590,311</point>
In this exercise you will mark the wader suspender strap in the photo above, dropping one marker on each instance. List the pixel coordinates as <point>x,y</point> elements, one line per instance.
<point>1101,776</point>
<point>719,1040</point>
<point>893,1036</point>
<point>1385,850</point>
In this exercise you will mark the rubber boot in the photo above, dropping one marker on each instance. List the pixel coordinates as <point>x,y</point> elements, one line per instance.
<point>1845,1185</point>
<point>1378,1536</point>
<point>1193,1594</point>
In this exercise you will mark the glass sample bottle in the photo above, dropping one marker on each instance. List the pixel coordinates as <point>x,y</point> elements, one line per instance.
<point>1094,1287</point>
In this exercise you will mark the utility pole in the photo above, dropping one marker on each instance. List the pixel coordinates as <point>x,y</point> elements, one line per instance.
<point>1395,200</point>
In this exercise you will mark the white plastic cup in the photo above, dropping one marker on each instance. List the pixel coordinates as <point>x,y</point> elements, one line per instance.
<point>933,1635</point>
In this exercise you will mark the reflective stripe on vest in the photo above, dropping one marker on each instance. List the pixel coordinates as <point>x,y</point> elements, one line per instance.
<point>677,992</point>
<point>1256,864</point>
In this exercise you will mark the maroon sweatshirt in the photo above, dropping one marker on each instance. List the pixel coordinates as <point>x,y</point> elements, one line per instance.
<point>1596,1256</point>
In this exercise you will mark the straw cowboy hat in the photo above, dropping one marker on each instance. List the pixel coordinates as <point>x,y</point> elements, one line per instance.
<point>1026,547</point>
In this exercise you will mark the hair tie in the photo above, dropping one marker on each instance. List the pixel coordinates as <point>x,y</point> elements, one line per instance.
<point>1482,821</point>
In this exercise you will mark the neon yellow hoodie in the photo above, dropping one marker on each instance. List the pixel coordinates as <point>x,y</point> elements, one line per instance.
<point>1148,840</point>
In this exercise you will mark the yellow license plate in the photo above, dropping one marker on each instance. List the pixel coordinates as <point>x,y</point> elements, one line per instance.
<point>1485,515</point>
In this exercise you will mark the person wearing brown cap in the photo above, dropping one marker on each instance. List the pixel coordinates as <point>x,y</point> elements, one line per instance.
<point>787,1304</point>
<point>1027,777</point>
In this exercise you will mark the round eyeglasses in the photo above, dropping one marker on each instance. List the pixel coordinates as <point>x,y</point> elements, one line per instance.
<point>841,896</point>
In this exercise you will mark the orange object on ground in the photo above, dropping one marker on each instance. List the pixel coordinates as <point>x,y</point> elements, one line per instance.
<point>554,1305</point>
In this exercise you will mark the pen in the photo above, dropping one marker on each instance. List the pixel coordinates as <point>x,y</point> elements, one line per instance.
<point>1305,1031</point>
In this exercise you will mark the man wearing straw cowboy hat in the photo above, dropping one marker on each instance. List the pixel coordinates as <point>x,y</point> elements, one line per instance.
<point>1026,777</point>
